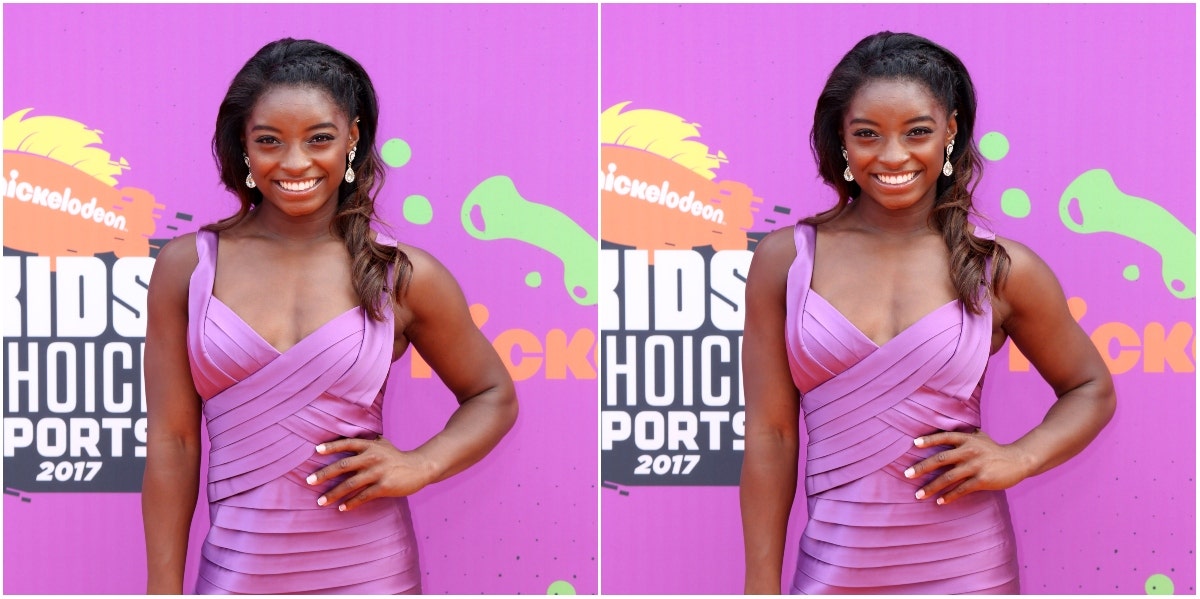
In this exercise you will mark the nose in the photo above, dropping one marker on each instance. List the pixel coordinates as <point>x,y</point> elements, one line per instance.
<point>894,153</point>
<point>296,159</point>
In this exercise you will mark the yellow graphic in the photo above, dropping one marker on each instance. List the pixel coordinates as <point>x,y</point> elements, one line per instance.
<point>659,189</point>
<point>60,194</point>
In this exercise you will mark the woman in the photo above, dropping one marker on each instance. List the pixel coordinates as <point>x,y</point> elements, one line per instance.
<point>280,324</point>
<point>876,319</point>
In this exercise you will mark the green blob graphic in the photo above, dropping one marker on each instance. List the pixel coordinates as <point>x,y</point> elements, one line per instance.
<point>562,587</point>
<point>993,146</point>
<point>507,215</point>
<point>396,152</point>
<point>533,279</point>
<point>1105,209</point>
<point>418,210</point>
<point>1131,272</point>
<point>1015,203</point>
<point>1160,584</point>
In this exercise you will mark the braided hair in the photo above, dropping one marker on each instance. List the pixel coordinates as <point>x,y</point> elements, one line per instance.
<point>306,63</point>
<point>907,57</point>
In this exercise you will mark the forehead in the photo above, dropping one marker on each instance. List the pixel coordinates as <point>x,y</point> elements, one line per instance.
<point>295,102</point>
<point>899,98</point>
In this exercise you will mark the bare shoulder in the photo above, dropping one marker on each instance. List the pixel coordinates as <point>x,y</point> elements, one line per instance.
<point>776,251</point>
<point>1029,282</point>
<point>175,262</point>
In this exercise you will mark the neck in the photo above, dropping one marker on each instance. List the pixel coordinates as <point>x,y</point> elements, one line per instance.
<point>303,229</point>
<point>904,222</point>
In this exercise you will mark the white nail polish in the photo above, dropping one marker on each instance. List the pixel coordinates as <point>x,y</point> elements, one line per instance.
<point>941,501</point>
<point>321,448</point>
<point>312,479</point>
<point>342,508</point>
<point>321,500</point>
<point>910,473</point>
<point>917,441</point>
<point>921,494</point>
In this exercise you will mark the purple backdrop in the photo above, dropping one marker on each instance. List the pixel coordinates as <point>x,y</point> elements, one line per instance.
<point>475,92</point>
<point>1071,88</point>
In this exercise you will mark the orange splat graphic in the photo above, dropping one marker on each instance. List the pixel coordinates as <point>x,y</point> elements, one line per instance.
<point>104,219</point>
<point>650,224</point>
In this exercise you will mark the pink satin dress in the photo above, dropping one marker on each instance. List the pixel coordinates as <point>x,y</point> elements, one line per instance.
<point>862,406</point>
<point>265,412</point>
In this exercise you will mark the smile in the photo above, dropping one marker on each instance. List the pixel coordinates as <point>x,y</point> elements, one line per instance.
<point>896,179</point>
<point>304,185</point>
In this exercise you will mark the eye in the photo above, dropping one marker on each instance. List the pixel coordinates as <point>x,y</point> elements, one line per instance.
<point>321,138</point>
<point>266,139</point>
<point>921,131</point>
<point>864,133</point>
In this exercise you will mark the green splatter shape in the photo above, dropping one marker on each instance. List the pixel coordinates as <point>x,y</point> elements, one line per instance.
<point>1131,272</point>
<point>418,210</point>
<point>507,215</point>
<point>1106,209</point>
<point>1015,203</point>
<point>1160,584</point>
<point>396,152</point>
<point>533,279</point>
<point>562,587</point>
<point>993,146</point>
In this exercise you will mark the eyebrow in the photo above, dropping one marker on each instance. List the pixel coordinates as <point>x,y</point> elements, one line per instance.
<point>919,119</point>
<point>314,127</point>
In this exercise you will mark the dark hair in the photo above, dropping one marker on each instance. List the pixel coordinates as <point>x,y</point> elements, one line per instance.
<point>905,56</point>
<point>306,63</point>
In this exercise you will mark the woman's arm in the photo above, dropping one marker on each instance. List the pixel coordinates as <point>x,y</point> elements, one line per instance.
<point>171,480</point>
<point>769,463</point>
<point>1032,310</point>
<point>439,326</point>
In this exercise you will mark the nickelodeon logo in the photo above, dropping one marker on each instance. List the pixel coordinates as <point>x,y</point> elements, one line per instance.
<point>55,175</point>
<point>525,353</point>
<point>659,189</point>
<point>1122,347</point>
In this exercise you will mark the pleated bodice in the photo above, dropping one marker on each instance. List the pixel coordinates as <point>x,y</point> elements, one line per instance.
<point>265,412</point>
<point>863,405</point>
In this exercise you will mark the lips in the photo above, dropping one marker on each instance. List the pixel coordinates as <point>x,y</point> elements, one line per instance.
<point>298,186</point>
<point>895,178</point>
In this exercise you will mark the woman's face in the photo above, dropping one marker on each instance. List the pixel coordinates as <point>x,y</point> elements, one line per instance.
<point>895,134</point>
<point>298,141</point>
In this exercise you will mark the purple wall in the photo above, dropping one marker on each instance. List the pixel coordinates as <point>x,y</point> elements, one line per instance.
<point>476,92</point>
<point>1072,88</point>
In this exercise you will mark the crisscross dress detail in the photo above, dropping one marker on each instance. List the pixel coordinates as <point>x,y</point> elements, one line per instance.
<point>265,412</point>
<point>862,406</point>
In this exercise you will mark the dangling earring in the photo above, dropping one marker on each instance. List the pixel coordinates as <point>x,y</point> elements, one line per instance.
<point>948,169</point>
<point>350,167</point>
<point>847,175</point>
<point>249,177</point>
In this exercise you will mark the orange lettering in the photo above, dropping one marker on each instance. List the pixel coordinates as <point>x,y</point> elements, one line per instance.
<point>1125,359</point>
<point>1162,348</point>
<point>527,365</point>
<point>563,355</point>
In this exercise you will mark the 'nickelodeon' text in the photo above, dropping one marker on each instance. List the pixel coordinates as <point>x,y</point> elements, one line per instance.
<point>658,194</point>
<point>62,201</point>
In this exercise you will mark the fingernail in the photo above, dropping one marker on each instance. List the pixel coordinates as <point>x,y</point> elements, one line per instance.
<point>321,500</point>
<point>941,501</point>
<point>921,494</point>
<point>909,473</point>
<point>321,448</point>
<point>312,479</point>
<point>342,508</point>
<point>918,441</point>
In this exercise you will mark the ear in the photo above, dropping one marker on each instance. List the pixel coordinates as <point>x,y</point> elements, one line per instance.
<point>952,126</point>
<point>353,139</point>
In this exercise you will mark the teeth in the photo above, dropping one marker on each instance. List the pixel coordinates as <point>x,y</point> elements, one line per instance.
<point>299,185</point>
<point>896,179</point>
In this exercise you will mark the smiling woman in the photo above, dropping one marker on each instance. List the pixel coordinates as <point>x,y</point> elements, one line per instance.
<point>280,324</point>
<point>873,323</point>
